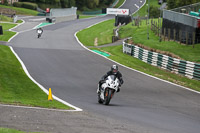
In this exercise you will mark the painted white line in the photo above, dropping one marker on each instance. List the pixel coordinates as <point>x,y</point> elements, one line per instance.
<point>45,90</point>
<point>122,4</point>
<point>13,36</point>
<point>38,108</point>
<point>129,67</point>
<point>137,6</point>
<point>38,19</point>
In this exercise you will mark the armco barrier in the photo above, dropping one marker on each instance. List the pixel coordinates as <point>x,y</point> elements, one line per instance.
<point>187,68</point>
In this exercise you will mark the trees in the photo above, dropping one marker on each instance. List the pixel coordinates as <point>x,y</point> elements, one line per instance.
<point>81,4</point>
<point>178,3</point>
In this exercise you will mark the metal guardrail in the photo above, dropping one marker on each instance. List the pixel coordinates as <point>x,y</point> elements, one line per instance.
<point>186,68</point>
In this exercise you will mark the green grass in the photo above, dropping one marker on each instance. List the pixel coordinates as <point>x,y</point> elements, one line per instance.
<point>86,16</point>
<point>19,21</point>
<point>140,35</point>
<point>15,86</point>
<point>144,10</point>
<point>7,34</point>
<point>6,130</point>
<point>21,11</point>
<point>103,33</point>
<point>5,18</point>
<point>119,3</point>
<point>127,60</point>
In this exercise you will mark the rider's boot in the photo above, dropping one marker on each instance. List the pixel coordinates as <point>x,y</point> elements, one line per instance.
<point>118,90</point>
<point>98,89</point>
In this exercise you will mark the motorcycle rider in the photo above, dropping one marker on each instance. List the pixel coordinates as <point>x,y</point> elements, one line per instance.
<point>39,31</point>
<point>113,71</point>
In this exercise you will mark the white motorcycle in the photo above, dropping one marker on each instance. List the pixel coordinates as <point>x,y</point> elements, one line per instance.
<point>39,31</point>
<point>107,89</point>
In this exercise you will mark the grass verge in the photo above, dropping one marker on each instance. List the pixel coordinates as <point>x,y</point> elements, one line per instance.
<point>102,33</point>
<point>144,10</point>
<point>7,34</point>
<point>119,3</point>
<point>6,130</point>
<point>139,36</point>
<point>5,18</point>
<point>15,86</point>
<point>21,11</point>
<point>86,16</point>
<point>119,56</point>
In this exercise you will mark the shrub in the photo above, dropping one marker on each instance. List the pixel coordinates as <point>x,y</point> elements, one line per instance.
<point>154,12</point>
<point>17,4</point>
<point>27,5</point>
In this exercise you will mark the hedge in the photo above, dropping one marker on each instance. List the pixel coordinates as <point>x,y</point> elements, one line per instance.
<point>27,5</point>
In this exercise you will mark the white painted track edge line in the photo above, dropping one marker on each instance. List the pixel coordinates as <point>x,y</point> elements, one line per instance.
<point>37,108</point>
<point>27,73</point>
<point>45,90</point>
<point>122,4</point>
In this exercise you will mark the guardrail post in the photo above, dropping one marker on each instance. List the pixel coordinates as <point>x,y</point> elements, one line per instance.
<point>180,36</point>
<point>193,39</point>
<point>187,38</point>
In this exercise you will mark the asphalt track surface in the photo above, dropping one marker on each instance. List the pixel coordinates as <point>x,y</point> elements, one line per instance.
<point>144,105</point>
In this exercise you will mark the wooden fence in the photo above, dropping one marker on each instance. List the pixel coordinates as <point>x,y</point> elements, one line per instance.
<point>168,34</point>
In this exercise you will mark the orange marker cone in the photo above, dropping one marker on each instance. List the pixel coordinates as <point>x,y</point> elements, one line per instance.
<point>50,98</point>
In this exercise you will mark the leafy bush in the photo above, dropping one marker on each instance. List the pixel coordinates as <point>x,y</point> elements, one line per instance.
<point>154,12</point>
<point>27,5</point>
<point>17,4</point>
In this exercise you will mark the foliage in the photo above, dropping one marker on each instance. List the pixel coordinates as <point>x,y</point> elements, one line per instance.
<point>178,3</point>
<point>21,11</point>
<point>81,4</point>
<point>154,12</point>
<point>27,5</point>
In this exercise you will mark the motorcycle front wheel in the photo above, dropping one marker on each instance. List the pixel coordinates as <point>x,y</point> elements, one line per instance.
<point>108,93</point>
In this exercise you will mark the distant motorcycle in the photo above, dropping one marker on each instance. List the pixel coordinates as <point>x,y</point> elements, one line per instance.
<point>108,89</point>
<point>39,31</point>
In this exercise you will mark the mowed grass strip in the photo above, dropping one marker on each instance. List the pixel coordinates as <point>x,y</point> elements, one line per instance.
<point>6,130</point>
<point>118,55</point>
<point>7,34</point>
<point>139,36</point>
<point>15,86</point>
<point>144,10</point>
<point>21,11</point>
<point>103,33</point>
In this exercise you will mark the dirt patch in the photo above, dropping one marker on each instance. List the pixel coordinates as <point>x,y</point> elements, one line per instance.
<point>96,42</point>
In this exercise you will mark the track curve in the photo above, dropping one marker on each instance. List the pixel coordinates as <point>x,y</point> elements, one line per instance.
<point>144,104</point>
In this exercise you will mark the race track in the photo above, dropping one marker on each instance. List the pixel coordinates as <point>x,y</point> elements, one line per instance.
<point>145,104</point>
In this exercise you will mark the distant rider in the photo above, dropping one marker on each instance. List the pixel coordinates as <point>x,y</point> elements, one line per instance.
<point>113,71</point>
<point>39,31</point>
